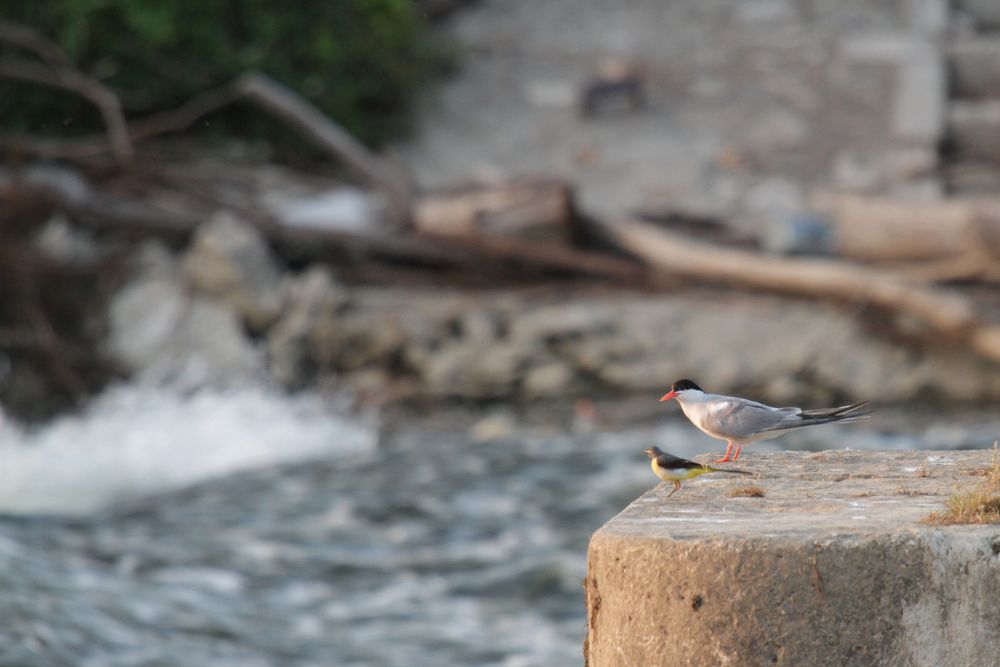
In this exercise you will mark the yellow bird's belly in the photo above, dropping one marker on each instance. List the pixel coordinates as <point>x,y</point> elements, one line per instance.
<point>675,474</point>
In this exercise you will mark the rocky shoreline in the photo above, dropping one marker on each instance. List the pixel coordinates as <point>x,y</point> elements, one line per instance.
<point>222,304</point>
<point>224,308</point>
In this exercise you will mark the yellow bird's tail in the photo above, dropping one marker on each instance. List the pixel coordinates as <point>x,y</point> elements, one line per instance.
<point>735,471</point>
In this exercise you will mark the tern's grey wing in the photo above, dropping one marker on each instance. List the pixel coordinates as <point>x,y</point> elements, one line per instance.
<point>841,415</point>
<point>739,418</point>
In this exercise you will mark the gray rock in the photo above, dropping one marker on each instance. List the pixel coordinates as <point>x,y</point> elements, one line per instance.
<point>313,297</point>
<point>154,260</point>
<point>548,379</point>
<point>230,260</point>
<point>471,370</point>
<point>780,130</point>
<point>143,318</point>
<point>562,321</point>
<point>389,328</point>
<point>60,240</point>
<point>64,183</point>
<point>447,344</point>
<point>503,345</point>
<point>361,340</point>
<point>158,330</point>
<point>773,198</point>
<point>209,346</point>
<point>855,172</point>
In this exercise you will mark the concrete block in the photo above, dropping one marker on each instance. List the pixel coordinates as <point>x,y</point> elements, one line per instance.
<point>972,178</point>
<point>931,17</point>
<point>985,14</point>
<point>881,47</point>
<point>974,66</point>
<point>974,130</point>
<point>921,95</point>
<point>831,567</point>
<point>918,113</point>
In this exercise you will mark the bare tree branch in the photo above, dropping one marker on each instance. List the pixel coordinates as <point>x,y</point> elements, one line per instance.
<point>72,80</point>
<point>30,39</point>
<point>184,116</point>
<point>307,119</point>
<point>256,88</point>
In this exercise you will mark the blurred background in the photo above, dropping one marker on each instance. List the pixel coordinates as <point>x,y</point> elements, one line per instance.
<point>331,330</point>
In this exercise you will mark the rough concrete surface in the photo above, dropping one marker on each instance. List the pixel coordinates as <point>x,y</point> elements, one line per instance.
<point>831,567</point>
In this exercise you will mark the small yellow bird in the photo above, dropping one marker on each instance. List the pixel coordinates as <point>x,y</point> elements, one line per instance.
<point>672,468</point>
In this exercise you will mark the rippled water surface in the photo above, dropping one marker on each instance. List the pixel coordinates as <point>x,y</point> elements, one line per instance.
<point>431,547</point>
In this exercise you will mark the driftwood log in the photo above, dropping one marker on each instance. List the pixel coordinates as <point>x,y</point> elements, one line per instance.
<point>537,210</point>
<point>478,256</point>
<point>890,230</point>
<point>947,314</point>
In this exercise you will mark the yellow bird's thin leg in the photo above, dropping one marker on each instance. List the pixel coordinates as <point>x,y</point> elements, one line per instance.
<point>677,485</point>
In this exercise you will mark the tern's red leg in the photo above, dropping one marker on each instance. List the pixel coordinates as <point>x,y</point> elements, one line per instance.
<point>736,454</point>
<point>729,450</point>
<point>677,485</point>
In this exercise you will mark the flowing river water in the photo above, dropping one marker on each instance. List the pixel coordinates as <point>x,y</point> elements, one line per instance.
<point>245,527</point>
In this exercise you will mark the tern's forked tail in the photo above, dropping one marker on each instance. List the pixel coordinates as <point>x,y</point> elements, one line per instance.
<point>844,414</point>
<point>853,411</point>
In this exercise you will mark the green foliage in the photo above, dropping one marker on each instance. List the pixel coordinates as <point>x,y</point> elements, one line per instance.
<point>360,61</point>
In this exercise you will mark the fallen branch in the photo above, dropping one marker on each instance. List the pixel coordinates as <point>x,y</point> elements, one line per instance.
<point>944,312</point>
<point>499,258</point>
<point>554,258</point>
<point>537,210</point>
<point>891,230</point>
<point>974,266</point>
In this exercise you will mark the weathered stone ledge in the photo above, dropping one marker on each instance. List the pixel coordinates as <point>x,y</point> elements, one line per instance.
<point>831,567</point>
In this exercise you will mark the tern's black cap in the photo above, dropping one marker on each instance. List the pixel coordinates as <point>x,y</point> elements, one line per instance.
<point>681,385</point>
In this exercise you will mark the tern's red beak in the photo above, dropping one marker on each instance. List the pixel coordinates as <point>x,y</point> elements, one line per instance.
<point>668,396</point>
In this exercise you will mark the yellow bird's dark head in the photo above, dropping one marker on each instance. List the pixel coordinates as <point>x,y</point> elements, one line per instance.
<point>653,452</point>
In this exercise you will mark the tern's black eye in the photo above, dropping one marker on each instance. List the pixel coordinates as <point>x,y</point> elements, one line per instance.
<point>681,385</point>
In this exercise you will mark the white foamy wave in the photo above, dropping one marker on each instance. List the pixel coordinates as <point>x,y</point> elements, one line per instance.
<point>137,439</point>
